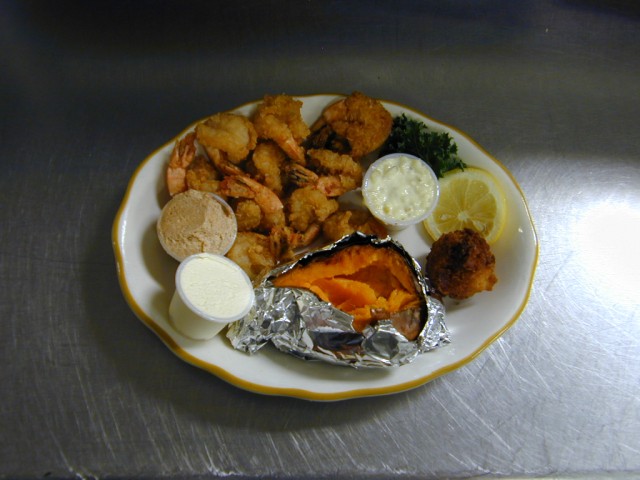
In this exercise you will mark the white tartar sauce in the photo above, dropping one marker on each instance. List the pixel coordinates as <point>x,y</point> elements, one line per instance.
<point>400,188</point>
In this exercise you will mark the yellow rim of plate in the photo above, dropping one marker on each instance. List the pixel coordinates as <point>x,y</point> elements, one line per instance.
<point>301,393</point>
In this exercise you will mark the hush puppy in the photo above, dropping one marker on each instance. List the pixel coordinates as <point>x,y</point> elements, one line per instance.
<point>461,264</point>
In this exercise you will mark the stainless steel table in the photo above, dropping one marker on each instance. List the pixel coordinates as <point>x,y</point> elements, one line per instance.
<point>88,89</point>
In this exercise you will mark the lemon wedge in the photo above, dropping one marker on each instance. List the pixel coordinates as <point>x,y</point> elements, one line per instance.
<point>469,198</point>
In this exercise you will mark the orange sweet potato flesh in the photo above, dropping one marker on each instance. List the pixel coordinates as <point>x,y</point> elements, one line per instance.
<point>365,281</point>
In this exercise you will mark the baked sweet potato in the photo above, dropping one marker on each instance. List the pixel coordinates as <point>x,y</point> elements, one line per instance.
<point>368,282</point>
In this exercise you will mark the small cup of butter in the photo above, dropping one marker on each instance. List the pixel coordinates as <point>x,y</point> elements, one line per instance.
<point>211,292</point>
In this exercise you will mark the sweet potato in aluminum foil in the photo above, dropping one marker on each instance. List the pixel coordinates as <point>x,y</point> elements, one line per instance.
<point>361,301</point>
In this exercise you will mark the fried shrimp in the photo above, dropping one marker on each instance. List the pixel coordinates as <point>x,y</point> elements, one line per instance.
<point>278,118</point>
<point>361,120</point>
<point>323,136</point>
<point>300,176</point>
<point>281,182</point>
<point>285,240</point>
<point>268,160</point>
<point>333,174</point>
<point>253,252</point>
<point>202,175</point>
<point>461,264</point>
<point>220,160</point>
<point>307,206</point>
<point>339,174</point>
<point>233,134</point>
<point>248,215</point>
<point>183,153</point>
<point>345,222</point>
<point>238,186</point>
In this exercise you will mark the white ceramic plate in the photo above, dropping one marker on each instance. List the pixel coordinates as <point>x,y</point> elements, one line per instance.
<point>146,275</point>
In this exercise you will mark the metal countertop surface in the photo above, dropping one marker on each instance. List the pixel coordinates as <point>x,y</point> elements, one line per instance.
<point>88,90</point>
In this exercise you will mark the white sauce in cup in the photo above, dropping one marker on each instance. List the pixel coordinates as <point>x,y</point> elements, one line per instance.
<point>211,292</point>
<point>400,190</point>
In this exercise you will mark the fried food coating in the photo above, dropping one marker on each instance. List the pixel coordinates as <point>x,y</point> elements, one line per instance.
<point>347,221</point>
<point>232,133</point>
<point>282,189</point>
<point>338,173</point>
<point>183,153</point>
<point>248,215</point>
<point>253,252</point>
<point>202,175</point>
<point>361,120</point>
<point>268,160</point>
<point>279,118</point>
<point>461,264</point>
<point>307,206</point>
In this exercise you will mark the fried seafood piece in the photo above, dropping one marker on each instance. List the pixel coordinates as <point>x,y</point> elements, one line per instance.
<point>183,153</point>
<point>345,222</point>
<point>361,120</point>
<point>323,136</point>
<point>339,173</point>
<point>240,186</point>
<point>285,240</point>
<point>248,215</point>
<point>202,175</point>
<point>461,264</point>
<point>221,161</point>
<point>253,253</point>
<point>332,173</point>
<point>307,206</point>
<point>299,176</point>
<point>279,118</point>
<point>268,160</point>
<point>232,133</point>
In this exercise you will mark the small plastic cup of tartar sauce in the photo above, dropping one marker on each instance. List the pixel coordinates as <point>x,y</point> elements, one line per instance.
<point>400,190</point>
<point>211,292</point>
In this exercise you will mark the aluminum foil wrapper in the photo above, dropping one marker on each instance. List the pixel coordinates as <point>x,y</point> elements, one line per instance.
<point>297,322</point>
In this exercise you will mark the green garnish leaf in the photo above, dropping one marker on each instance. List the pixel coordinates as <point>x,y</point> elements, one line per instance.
<point>414,137</point>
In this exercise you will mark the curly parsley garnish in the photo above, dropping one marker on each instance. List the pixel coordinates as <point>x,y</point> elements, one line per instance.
<point>413,137</point>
